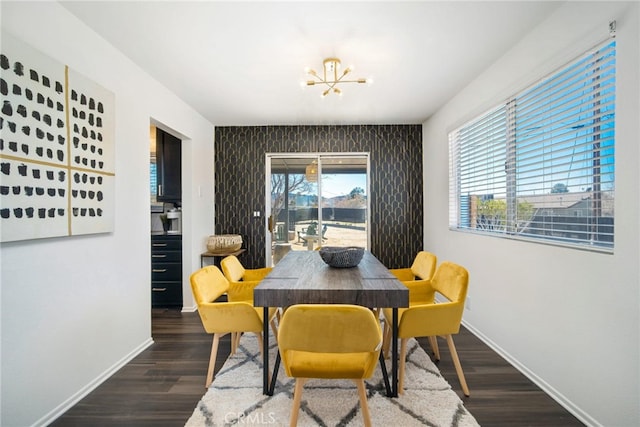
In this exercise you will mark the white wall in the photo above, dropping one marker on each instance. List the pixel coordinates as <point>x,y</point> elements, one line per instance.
<point>567,318</point>
<point>75,309</point>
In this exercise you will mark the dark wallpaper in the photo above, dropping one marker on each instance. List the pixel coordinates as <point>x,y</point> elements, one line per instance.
<point>395,181</point>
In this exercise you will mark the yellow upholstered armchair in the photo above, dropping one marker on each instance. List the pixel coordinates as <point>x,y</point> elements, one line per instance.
<point>221,318</point>
<point>241,280</point>
<point>417,277</point>
<point>331,342</point>
<point>433,319</point>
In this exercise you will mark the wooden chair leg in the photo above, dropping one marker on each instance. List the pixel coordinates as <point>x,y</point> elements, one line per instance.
<point>297,396</point>
<point>260,342</point>
<point>233,343</point>
<point>433,342</point>
<point>212,360</point>
<point>362,392</point>
<point>402,365</point>
<point>456,362</point>
<point>274,328</point>
<point>386,339</point>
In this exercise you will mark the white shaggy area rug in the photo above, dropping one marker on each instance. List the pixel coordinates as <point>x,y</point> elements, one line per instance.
<point>235,396</point>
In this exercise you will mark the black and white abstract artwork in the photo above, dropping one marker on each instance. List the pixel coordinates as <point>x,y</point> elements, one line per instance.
<point>56,148</point>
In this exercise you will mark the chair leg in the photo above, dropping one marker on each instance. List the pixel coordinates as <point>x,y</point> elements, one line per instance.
<point>456,362</point>
<point>386,339</point>
<point>403,364</point>
<point>212,360</point>
<point>433,342</point>
<point>235,341</point>
<point>366,416</point>
<point>297,396</point>
<point>260,342</point>
<point>274,328</point>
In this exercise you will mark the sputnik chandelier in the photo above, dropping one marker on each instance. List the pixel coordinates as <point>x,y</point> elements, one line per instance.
<point>331,76</point>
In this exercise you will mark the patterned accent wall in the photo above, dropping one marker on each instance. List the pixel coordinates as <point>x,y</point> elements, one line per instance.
<point>395,181</point>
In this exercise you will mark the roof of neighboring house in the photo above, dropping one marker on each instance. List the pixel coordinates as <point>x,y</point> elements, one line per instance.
<point>555,200</point>
<point>566,200</point>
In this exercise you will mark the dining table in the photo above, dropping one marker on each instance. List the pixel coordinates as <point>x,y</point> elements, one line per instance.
<point>302,277</point>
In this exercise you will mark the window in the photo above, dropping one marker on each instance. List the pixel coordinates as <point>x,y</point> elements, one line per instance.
<point>541,165</point>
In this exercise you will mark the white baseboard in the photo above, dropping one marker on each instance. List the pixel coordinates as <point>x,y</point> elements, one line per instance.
<point>552,392</point>
<point>191,309</point>
<point>77,397</point>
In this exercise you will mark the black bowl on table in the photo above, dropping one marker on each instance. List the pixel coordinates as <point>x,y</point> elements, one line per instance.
<point>341,257</point>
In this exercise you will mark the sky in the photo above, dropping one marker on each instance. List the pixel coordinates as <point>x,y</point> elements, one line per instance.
<point>341,184</point>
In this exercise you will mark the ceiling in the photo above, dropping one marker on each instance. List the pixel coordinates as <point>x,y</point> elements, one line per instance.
<point>241,63</point>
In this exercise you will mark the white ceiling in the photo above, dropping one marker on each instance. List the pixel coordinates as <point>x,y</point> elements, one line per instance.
<point>241,63</point>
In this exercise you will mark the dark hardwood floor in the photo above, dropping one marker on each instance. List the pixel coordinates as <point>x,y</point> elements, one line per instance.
<point>162,385</point>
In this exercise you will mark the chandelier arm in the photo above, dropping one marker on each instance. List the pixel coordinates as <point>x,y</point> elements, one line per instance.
<point>334,82</point>
<point>343,76</point>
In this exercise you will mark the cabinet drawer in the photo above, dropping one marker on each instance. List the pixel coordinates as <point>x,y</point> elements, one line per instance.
<point>165,256</point>
<point>160,244</point>
<point>166,295</point>
<point>166,272</point>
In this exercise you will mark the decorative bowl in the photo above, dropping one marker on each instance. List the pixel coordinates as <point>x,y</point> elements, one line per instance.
<point>341,257</point>
<point>224,243</point>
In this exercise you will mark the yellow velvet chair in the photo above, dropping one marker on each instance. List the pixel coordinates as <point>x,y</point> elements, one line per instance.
<point>417,276</point>
<point>221,318</point>
<point>433,319</point>
<point>331,342</point>
<point>241,280</point>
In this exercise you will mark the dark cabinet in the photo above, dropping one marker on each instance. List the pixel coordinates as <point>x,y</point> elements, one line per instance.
<point>166,271</point>
<point>168,167</point>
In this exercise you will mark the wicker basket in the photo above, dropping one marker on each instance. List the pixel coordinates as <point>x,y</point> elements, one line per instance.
<point>341,257</point>
<point>224,243</point>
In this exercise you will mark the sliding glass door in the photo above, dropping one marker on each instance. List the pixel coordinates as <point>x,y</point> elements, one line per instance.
<point>316,200</point>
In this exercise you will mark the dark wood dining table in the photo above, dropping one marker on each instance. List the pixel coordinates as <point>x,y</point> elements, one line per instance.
<point>301,277</point>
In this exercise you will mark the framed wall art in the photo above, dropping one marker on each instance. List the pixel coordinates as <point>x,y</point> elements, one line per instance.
<point>57,154</point>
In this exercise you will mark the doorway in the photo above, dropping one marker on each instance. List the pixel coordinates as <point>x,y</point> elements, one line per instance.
<point>165,169</point>
<point>316,200</point>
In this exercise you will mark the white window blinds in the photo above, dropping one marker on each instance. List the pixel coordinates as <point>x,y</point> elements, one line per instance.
<point>541,165</point>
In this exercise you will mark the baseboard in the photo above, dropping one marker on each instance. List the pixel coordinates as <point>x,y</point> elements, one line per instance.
<point>552,392</point>
<point>191,309</point>
<point>83,392</point>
